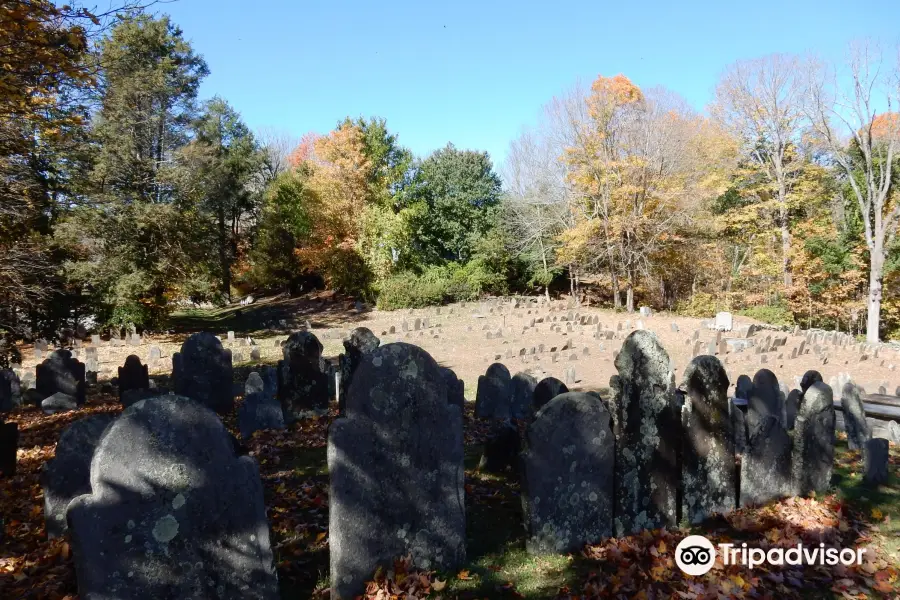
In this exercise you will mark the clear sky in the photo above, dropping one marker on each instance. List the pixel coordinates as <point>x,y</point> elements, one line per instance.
<point>474,72</point>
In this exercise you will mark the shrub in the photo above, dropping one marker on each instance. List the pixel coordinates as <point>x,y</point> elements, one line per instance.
<point>439,284</point>
<point>775,314</point>
<point>701,305</point>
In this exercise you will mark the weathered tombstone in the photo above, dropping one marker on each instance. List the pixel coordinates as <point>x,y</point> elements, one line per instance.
<point>492,398</point>
<point>133,375</point>
<point>858,430</point>
<point>647,430</point>
<point>361,342</point>
<point>68,475</point>
<point>876,453</point>
<point>170,496</point>
<point>766,464</point>
<point>724,321</point>
<point>260,409</point>
<point>305,382</point>
<point>708,464</point>
<point>501,449</point>
<point>738,427</point>
<point>764,399</point>
<point>10,391</point>
<point>456,388</point>
<point>646,311</point>
<point>230,336</point>
<point>545,391</point>
<point>9,445</point>
<point>813,456</point>
<point>134,395</point>
<point>396,464</point>
<point>567,487</point>
<point>61,373</point>
<point>255,353</point>
<point>522,388</point>
<point>203,371</point>
<point>95,340</point>
<point>58,402</point>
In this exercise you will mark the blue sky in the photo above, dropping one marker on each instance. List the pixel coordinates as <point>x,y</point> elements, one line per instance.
<point>475,72</point>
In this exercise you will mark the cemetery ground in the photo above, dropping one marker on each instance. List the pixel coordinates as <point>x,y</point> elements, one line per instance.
<point>292,464</point>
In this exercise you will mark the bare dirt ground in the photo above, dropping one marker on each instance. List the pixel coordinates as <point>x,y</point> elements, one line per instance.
<point>469,337</point>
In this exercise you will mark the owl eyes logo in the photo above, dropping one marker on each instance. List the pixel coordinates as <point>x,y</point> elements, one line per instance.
<point>695,555</point>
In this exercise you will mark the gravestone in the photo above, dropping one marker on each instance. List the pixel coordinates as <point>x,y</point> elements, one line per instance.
<point>492,398</point>
<point>10,391</point>
<point>456,391</point>
<point>810,377</point>
<point>133,375</point>
<point>708,463</point>
<point>501,448</point>
<point>305,382</point>
<point>68,474</point>
<point>647,429</point>
<point>260,409</point>
<point>765,399</point>
<point>9,445</point>
<point>813,456</point>
<point>203,371</point>
<point>129,397</point>
<point>546,390</point>
<point>57,403</point>
<point>858,430</point>
<point>567,483</point>
<point>766,464</point>
<point>738,427</point>
<point>876,453</point>
<point>521,394</point>
<point>724,321</point>
<point>61,373</point>
<point>396,465</point>
<point>173,511</point>
<point>361,342</point>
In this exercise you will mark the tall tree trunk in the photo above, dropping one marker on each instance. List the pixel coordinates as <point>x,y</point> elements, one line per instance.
<point>786,247</point>
<point>224,263</point>
<point>617,299</point>
<point>876,275</point>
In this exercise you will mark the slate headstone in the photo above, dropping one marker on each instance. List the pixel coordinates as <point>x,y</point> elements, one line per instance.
<point>456,391</point>
<point>10,391</point>
<point>57,403</point>
<point>360,342</point>
<point>501,448</point>
<point>708,463</point>
<point>492,398</point>
<point>647,429</point>
<point>203,371</point>
<point>876,453</point>
<point>305,383</point>
<point>133,375</point>
<point>792,407</point>
<point>9,445</point>
<point>61,373</point>
<point>396,465</point>
<point>68,474</point>
<point>858,430</point>
<point>764,399</point>
<point>522,388</point>
<point>260,409</point>
<point>567,488</point>
<point>766,464</point>
<point>546,390</point>
<point>173,511</point>
<point>813,456</point>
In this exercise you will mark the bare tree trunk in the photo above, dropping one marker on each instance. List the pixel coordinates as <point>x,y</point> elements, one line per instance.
<point>876,276</point>
<point>224,262</point>
<point>629,295</point>
<point>617,300</point>
<point>786,247</point>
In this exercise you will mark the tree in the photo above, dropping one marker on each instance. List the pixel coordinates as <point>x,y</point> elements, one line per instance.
<point>760,101</point>
<point>461,192</point>
<point>867,159</point>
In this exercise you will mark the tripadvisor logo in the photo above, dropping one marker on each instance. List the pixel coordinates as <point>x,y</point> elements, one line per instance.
<point>695,555</point>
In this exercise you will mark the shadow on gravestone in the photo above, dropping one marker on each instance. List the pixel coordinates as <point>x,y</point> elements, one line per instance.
<point>813,437</point>
<point>567,487</point>
<point>360,342</point>
<point>260,409</point>
<point>766,465</point>
<point>396,467</point>
<point>501,449</point>
<point>858,430</point>
<point>708,451</point>
<point>764,399</point>
<point>647,428</point>
<point>305,383</point>
<point>173,512</point>
<point>202,371</point>
<point>68,474</point>
<point>546,390</point>
<point>61,373</point>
